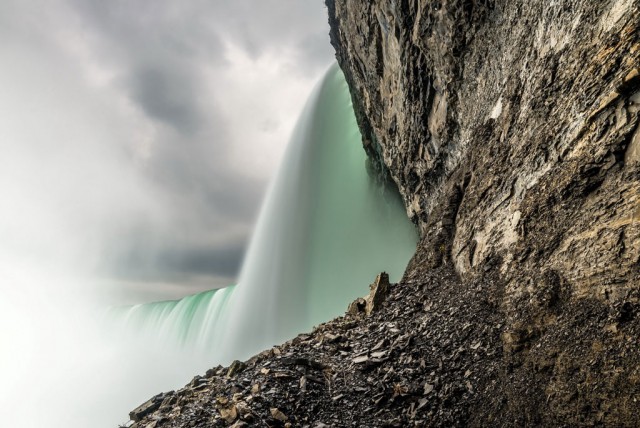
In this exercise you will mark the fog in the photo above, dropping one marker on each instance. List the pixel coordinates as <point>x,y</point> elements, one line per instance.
<point>137,139</point>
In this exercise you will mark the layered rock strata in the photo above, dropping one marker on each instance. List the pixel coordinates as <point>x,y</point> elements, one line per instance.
<point>512,130</point>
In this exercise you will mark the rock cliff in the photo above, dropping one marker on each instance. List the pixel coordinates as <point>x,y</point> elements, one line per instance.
<point>511,129</point>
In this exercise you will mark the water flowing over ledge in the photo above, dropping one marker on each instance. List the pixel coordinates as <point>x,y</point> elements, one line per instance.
<point>325,230</point>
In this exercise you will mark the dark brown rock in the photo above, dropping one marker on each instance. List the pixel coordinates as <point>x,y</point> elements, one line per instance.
<point>235,368</point>
<point>146,408</point>
<point>378,293</point>
<point>511,129</point>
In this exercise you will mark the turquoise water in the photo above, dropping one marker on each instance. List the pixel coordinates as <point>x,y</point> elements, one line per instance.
<point>325,230</point>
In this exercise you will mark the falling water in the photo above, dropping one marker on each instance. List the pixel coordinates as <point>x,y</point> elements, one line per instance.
<point>325,230</point>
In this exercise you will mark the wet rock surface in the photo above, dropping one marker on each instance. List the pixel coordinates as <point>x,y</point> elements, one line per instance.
<point>512,131</point>
<point>439,352</point>
<point>391,368</point>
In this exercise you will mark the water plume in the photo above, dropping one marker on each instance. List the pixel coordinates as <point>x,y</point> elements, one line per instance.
<point>325,230</point>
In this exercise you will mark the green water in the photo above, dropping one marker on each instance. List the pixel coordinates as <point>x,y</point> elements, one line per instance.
<point>326,229</point>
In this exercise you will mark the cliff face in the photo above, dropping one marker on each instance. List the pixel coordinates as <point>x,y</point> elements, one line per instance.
<point>512,131</point>
<point>521,116</point>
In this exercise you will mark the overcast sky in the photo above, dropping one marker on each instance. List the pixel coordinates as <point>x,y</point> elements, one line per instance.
<point>137,136</point>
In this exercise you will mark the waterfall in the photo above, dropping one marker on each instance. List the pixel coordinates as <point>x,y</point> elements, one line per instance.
<point>325,230</point>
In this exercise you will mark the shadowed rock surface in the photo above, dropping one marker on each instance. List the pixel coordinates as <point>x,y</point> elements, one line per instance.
<point>512,131</point>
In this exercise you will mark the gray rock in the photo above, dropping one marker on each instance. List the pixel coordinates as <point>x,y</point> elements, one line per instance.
<point>235,368</point>
<point>379,291</point>
<point>146,408</point>
<point>512,131</point>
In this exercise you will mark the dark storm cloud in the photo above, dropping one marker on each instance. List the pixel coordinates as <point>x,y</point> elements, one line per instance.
<point>167,97</point>
<point>161,47</point>
<point>158,49</point>
<point>180,263</point>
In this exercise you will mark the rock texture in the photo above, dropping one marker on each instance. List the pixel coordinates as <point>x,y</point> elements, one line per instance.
<point>520,115</point>
<point>511,128</point>
<point>428,355</point>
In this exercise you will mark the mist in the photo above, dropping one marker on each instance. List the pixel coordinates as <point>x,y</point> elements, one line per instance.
<point>137,141</point>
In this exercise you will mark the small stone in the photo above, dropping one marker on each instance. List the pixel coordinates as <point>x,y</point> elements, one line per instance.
<point>361,359</point>
<point>357,307</point>
<point>380,354</point>
<point>428,388</point>
<point>422,402</point>
<point>379,345</point>
<point>330,337</point>
<point>146,408</point>
<point>235,368</point>
<point>303,383</point>
<point>242,408</point>
<point>611,328</point>
<point>229,414</point>
<point>197,380</point>
<point>278,415</point>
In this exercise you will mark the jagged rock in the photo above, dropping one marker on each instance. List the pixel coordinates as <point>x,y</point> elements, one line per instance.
<point>360,360</point>
<point>278,415</point>
<point>358,306</point>
<point>235,368</point>
<point>146,408</point>
<point>511,129</point>
<point>229,413</point>
<point>378,292</point>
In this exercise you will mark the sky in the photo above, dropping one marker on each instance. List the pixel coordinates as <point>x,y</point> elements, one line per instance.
<point>137,138</point>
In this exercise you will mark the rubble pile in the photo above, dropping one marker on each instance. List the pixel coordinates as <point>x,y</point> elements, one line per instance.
<point>388,368</point>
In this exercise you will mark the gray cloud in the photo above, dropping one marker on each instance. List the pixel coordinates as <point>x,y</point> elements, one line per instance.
<point>167,97</point>
<point>179,263</point>
<point>166,70</point>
